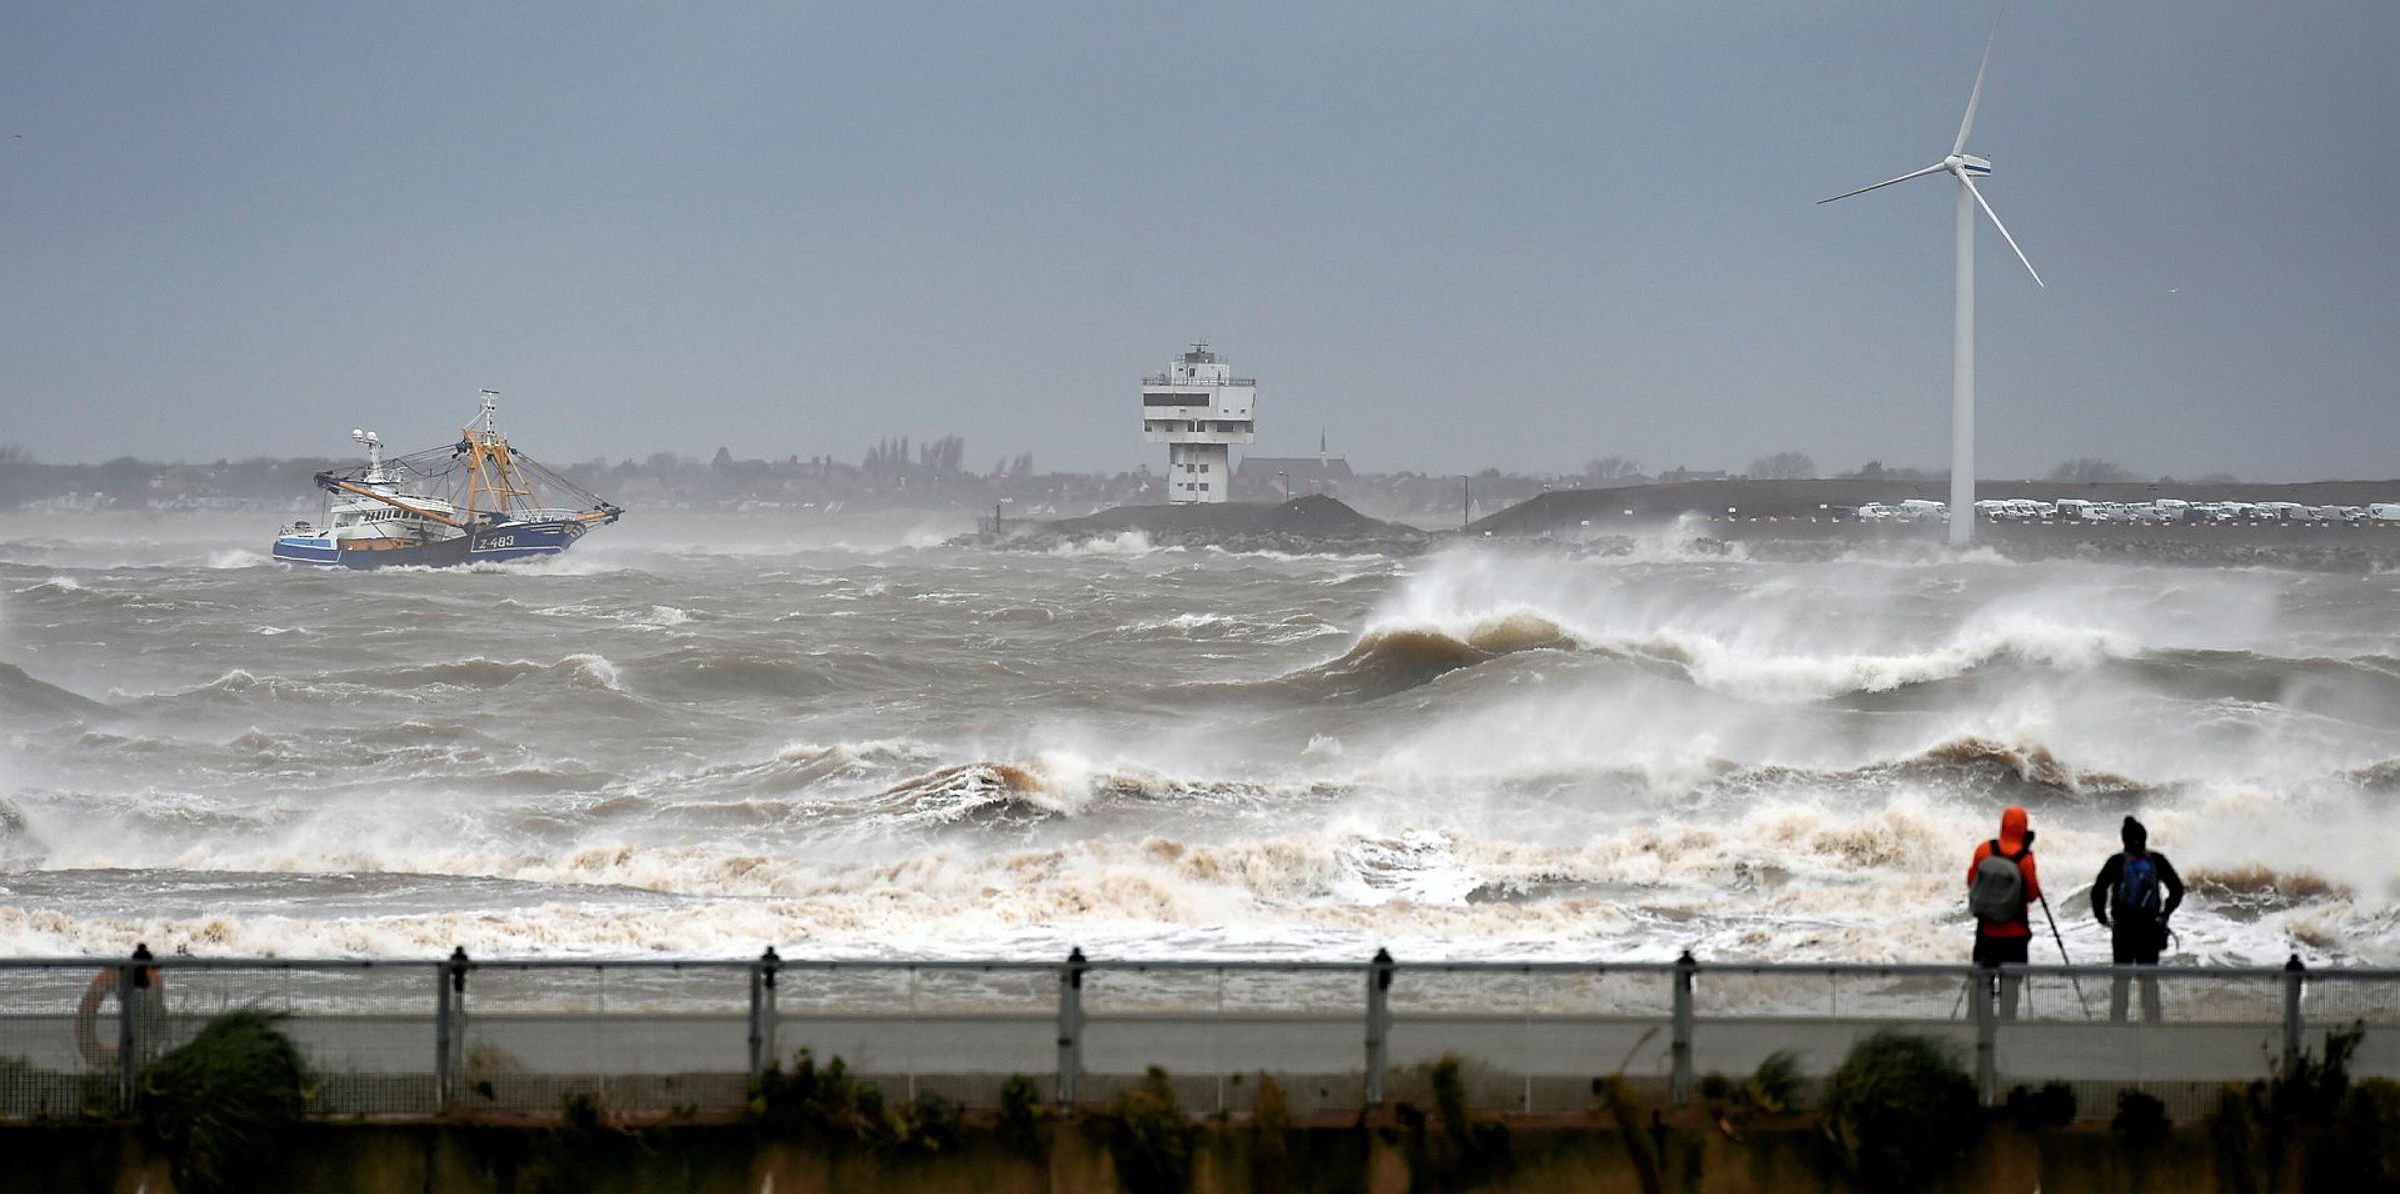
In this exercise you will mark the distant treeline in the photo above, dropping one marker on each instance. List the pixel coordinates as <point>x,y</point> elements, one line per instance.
<point>893,471</point>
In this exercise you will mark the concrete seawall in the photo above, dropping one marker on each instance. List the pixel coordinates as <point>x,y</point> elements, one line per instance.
<point>1383,1156</point>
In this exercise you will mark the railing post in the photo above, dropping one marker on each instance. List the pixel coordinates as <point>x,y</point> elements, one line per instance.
<point>2294,978</point>
<point>1070,1025</point>
<point>441,1040</point>
<point>1379,1024</point>
<point>134,1023</point>
<point>1985,985</point>
<point>1679,1050</point>
<point>449,1029</point>
<point>762,1011</point>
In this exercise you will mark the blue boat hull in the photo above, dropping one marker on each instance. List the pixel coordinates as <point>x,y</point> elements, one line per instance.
<point>480,545</point>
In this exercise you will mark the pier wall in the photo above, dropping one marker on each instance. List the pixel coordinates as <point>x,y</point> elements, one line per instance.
<point>1557,1156</point>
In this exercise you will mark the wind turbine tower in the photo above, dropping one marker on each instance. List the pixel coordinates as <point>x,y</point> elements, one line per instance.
<point>1966,168</point>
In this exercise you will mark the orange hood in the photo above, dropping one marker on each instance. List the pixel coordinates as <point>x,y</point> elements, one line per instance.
<point>2012,829</point>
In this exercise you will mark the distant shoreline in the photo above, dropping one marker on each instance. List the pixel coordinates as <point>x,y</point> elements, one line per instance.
<point>1747,501</point>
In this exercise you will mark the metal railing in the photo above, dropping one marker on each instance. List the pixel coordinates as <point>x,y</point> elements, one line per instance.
<point>662,1036</point>
<point>1169,379</point>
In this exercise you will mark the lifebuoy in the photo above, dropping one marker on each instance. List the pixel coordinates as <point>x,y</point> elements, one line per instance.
<point>87,1013</point>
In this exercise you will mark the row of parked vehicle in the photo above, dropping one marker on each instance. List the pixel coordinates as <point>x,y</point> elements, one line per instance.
<point>2152,513</point>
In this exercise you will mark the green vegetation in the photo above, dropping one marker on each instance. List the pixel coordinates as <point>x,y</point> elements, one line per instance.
<point>1022,1115</point>
<point>1270,1146</point>
<point>2141,1118</point>
<point>583,1113</point>
<point>1641,1146</point>
<point>805,1101</point>
<point>2312,1122</point>
<point>1775,1083</point>
<point>1149,1137</point>
<point>928,1123</point>
<point>218,1107</point>
<point>1770,1089</point>
<point>1466,1154</point>
<point>2051,1106</point>
<point>827,1104</point>
<point>2257,1127</point>
<point>1900,1111</point>
<point>1450,1100</point>
<point>2363,1153</point>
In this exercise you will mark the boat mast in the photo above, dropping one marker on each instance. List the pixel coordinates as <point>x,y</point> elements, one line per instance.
<point>491,471</point>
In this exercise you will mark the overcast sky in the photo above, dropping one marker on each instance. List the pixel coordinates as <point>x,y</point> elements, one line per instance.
<point>1454,236</point>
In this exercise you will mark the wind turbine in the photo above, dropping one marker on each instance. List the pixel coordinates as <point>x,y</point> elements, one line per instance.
<point>1966,168</point>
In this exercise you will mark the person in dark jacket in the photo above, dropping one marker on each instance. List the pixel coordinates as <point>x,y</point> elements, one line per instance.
<point>2134,895</point>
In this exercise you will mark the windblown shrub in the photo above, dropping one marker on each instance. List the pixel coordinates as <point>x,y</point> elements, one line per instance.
<point>2257,1127</point>
<point>1021,1115</point>
<point>1450,1099</point>
<point>1270,1148</point>
<point>2363,1152</point>
<point>805,1099</point>
<point>2052,1105</point>
<point>218,1106</point>
<point>2141,1117</point>
<point>1901,1111</point>
<point>1775,1083</point>
<point>1149,1137</point>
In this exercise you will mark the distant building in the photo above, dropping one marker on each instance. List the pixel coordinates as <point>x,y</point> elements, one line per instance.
<point>1290,476</point>
<point>1198,408</point>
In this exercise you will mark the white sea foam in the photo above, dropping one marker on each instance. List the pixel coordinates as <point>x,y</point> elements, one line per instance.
<point>1792,881</point>
<point>1123,543</point>
<point>1540,753</point>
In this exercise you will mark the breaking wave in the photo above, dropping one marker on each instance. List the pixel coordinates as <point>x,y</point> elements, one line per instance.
<point>1398,658</point>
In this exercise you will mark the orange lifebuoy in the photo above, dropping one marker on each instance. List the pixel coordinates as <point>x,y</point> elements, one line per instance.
<point>87,1013</point>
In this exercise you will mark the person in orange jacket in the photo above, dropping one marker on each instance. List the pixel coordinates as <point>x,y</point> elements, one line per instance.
<point>2002,887</point>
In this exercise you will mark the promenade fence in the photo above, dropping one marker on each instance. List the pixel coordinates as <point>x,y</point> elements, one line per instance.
<point>645,1037</point>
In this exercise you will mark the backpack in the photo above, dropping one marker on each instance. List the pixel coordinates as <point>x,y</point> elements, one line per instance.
<point>1998,896</point>
<point>2137,887</point>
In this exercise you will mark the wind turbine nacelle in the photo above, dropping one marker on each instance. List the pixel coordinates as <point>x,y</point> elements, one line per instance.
<point>1971,165</point>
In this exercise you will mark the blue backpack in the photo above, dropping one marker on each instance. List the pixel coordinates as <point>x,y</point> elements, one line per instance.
<point>2137,887</point>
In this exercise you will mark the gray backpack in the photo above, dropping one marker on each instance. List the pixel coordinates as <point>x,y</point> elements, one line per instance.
<point>1998,895</point>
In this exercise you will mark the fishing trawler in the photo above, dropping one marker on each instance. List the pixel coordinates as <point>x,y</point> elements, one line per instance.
<point>472,501</point>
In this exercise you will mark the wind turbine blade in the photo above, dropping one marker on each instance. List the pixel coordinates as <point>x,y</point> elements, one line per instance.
<point>1980,201</point>
<point>1935,168</point>
<point>1967,123</point>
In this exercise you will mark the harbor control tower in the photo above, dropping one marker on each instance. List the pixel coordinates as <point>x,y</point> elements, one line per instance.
<point>1198,408</point>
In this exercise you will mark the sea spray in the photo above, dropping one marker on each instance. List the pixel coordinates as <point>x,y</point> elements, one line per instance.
<point>1483,752</point>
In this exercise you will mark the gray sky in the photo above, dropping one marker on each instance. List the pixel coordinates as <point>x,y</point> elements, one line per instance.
<point>1523,234</point>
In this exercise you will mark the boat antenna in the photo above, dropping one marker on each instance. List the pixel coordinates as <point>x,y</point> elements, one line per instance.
<point>491,404</point>
<point>375,474</point>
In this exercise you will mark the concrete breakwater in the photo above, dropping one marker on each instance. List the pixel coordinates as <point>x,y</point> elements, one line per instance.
<point>1312,524</point>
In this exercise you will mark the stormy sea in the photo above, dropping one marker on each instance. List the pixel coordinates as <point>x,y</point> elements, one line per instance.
<point>696,737</point>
